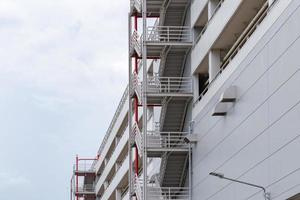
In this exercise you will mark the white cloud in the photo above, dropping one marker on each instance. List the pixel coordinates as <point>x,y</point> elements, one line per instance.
<point>12,180</point>
<point>63,68</point>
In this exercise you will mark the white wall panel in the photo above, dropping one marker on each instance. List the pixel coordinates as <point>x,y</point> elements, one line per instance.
<point>259,140</point>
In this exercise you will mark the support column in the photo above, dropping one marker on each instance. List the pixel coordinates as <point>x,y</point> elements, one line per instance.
<point>214,63</point>
<point>136,101</point>
<point>117,166</point>
<point>118,194</point>
<point>117,139</point>
<point>130,110</point>
<point>77,161</point>
<point>105,185</point>
<point>144,57</point>
<point>196,86</point>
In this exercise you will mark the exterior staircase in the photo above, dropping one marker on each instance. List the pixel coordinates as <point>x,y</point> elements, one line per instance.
<point>174,12</point>
<point>171,66</point>
<point>174,164</point>
<point>169,40</point>
<point>173,169</point>
<point>174,114</point>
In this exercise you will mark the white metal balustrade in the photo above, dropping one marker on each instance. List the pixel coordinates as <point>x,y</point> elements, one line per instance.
<point>155,192</point>
<point>135,43</point>
<point>84,168</point>
<point>137,86</point>
<point>236,47</point>
<point>138,138</point>
<point>84,190</point>
<point>168,193</point>
<point>116,172</point>
<point>166,141</point>
<point>138,187</point>
<point>160,141</point>
<point>209,21</point>
<point>183,85</point>
<point>111,126</point>
<point>136,4</point>
<point>169,34</point>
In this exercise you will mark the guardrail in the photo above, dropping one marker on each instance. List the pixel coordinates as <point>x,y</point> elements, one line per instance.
<point>113,122</point>
<point>136,42</point>
<point>114,175</point>
<point>138,138</point>
<point>84,167</point>
<point>168,193</point>
<point>154,191</point>
<point>158,84</point>
<point>125,194</point>
<point>157,139</point>
<point>208,22</point>
<point>137,86</point>
<point>137,4</point>
<point>169,33</point>
<point>236,47</point>
<point>205,86</point>
<point>86,188</point>
<point>109,159</point>
<point>138,187</point>
<point>242,39</point>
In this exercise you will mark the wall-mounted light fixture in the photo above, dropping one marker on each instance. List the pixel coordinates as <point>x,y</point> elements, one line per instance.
<point>220,175</point>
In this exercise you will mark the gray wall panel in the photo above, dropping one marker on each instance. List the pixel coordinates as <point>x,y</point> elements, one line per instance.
<point>259,139</point>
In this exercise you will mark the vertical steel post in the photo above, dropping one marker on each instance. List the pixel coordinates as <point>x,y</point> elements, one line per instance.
<point>136,104</point>
<point>190,172</point>
<point>77,160</point>
<point>190,162</point>
<point>129,110</point>
<point>71,191</point>
<point>144,57</point>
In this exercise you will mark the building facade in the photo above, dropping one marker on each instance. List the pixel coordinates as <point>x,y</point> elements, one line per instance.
<point>211,111</point>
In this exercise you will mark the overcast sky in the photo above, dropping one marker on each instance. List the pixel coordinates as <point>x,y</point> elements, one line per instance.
<point>63,69</point>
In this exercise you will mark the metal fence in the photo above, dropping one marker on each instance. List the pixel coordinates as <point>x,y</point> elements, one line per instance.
<point>166,140</point>
<point>169,33</point>
<point>158,84</point>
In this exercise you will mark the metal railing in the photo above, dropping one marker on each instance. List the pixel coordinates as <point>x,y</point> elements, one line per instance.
<point>155,192</point>
<point>84,167</point>
<point>136,42</point>
<point>114,175</point>
<point>136,83</point>
<point>168,193</point>
<point>248,31</point>
<point>109,158</point>
<point>138,187</point>
<point>208,22</point>
<point>201,95</point>
<point>138,138</point>
<point>169,140</point>
<point>86,188</point>
<point>169,33</point>
<point>158,84</point>
<point>113,122</point>
<point>237,46</point>
<point>125,195</point>
<point>137,4</point>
